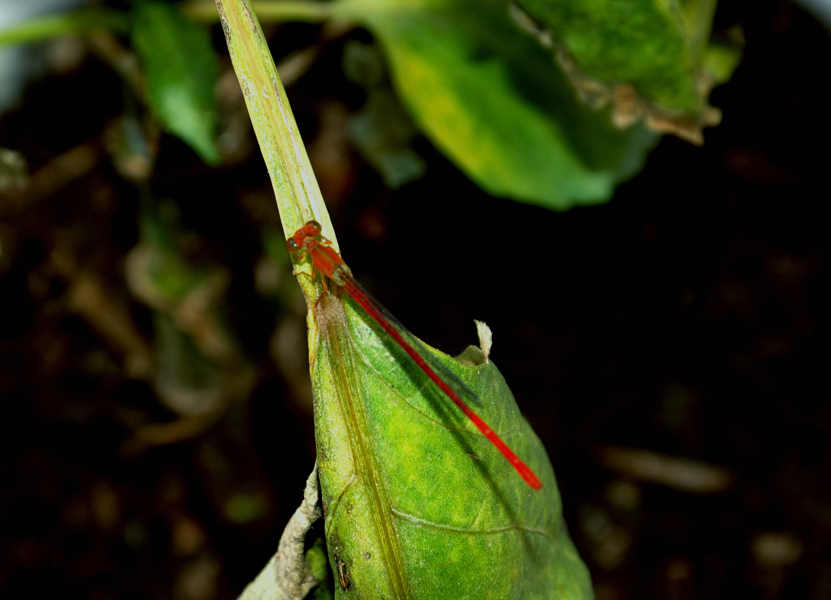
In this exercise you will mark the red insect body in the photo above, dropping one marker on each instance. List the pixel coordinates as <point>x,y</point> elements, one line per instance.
<point>309,241</point>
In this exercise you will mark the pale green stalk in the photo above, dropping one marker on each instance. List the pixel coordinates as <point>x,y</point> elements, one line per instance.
<point>300,10</point>
<point>295,187</point>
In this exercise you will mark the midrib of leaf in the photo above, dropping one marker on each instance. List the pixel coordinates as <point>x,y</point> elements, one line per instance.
<point>333,332</point>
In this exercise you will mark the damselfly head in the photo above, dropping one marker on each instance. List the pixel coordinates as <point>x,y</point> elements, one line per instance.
<point>312,228</point>
<point>304,238</point>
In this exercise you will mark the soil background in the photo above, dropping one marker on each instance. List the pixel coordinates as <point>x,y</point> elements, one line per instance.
<point>682,320</point>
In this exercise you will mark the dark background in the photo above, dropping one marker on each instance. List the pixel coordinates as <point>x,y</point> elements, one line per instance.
<point>683,318</point>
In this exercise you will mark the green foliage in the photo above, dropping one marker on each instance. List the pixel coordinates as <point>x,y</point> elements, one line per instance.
<point>722,58</point>
<point>418,503</point>
<point>491,98</point>
<point>656,45</point>
<point>72,22</point>
<point>181,70</point>
<point>512,110</point>
<point>318,564</point>
<point>649,58</point>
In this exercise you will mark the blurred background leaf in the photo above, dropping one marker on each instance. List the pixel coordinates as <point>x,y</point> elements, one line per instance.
<point>67,23</point>
<point>648,58</point>
<point>518,122</point>
<point>180,69</point>
<point>494,101</point>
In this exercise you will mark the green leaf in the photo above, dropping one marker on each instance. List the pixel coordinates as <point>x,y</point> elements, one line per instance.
<point>418,503</point>
<point>648,55</point>
<point>73,22</point>
<point>181,70</point>
<point>643,42</point>
<point>493,100</point>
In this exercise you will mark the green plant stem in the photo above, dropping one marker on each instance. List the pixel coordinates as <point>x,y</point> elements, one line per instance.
<point>295,186</point>
<point>275,12</point>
